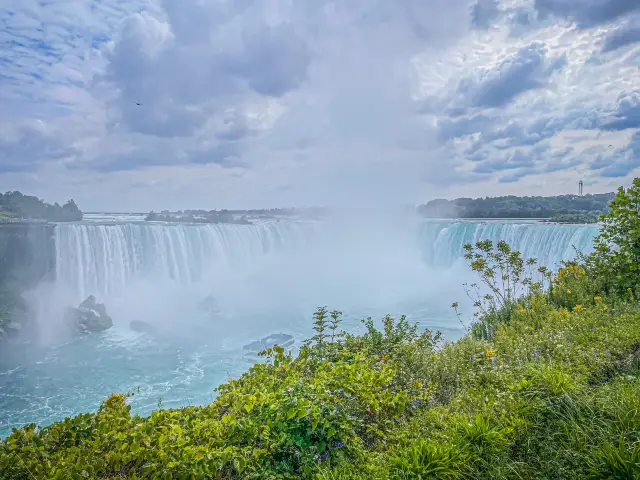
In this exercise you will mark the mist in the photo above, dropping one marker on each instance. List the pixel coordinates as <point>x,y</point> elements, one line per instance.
<point>358,260</point>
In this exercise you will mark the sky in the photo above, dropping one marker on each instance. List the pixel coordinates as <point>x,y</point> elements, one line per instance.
<point>266,103</point>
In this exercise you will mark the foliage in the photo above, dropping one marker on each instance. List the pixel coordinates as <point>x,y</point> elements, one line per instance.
<point>517,207</point>
<point>616,258</point>
<point>508,281</point>
<point>15,205</point>
<point>576,217</point>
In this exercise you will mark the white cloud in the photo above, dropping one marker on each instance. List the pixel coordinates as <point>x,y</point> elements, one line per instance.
<point>279,102</point>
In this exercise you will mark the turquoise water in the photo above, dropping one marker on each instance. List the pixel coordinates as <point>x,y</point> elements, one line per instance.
<point>266,279</point>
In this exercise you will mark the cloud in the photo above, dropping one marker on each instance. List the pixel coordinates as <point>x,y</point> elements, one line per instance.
<point>24,147</point>
<point>484,13</point>
<point>627,114</point>
<point>527,69</point>
<point>517,160</point>
<point>247,103</point>
<point>587,13</point>
<point>622,36</point>
<point>619,162</point>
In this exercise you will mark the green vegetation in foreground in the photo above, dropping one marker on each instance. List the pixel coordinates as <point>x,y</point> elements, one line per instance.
<point>580,217</point>
<point>517,207</point>
<point>15,206</point>
<point>545,385</point>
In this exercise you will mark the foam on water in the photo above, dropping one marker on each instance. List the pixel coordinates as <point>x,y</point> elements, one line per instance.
<point>266,278</point>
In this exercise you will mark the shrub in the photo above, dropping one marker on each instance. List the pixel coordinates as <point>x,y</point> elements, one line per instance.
<point>616,258</point>
<point>508,282</point>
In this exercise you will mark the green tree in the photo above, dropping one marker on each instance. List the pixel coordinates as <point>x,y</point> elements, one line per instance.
<point>616,257</point>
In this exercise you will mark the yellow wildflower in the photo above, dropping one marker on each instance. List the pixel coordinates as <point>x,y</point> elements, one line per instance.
<point>489,352</point>
<point>568,292</point>
<point>597,298</point>
<point>578,308</point>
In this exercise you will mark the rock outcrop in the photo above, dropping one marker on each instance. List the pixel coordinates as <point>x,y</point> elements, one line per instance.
<point>89,317</point>
<point>208,305</point>
<point>142,327</point>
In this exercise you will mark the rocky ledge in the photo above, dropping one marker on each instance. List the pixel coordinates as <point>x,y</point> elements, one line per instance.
<point>89,317</point>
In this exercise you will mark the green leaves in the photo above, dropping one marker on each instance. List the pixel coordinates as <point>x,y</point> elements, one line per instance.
<point>616,257</point>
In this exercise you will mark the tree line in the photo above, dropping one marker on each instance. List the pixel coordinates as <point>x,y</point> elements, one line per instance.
<point>516,207</point>
<point>15,205</point>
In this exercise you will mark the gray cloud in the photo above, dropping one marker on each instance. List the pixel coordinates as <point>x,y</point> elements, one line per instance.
<point>627,113</point>
<point>184,73</point>
<point>620,162</point>
<point>528,69</point>
<point>28,147</point>
<point>462,126</point>
<point>517,159</point>
<point>586,13</point>
<point>622,36</point>
<point>484,13</point>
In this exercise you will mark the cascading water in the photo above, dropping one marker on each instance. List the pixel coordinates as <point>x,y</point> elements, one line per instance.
<point>443,243</point>
<point>104,259</point>
<point>267,278</point>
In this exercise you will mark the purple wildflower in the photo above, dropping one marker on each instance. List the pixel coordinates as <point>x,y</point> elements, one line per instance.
<point>339,444</point>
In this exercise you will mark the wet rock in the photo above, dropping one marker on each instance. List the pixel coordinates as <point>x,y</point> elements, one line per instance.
<point>142,327</point>
<point>13,326</point>
<point>89,317</point>
<point>208,305</point>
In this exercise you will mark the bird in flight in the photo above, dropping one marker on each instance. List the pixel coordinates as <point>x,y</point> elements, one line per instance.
<point>138,103</point>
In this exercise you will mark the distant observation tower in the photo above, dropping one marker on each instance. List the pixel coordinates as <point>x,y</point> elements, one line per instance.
<point>580,185</point>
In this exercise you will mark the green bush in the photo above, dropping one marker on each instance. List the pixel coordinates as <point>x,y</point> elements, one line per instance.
<point>616,258</point>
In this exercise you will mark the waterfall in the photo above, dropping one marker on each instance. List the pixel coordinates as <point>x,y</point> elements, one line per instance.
<point>443,243</point>
<point>104,259</point>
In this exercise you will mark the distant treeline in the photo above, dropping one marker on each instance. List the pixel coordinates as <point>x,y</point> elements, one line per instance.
<point>580,217</point>
<point>517,207</point>
<point>271,212</point>
<point>15,206</point>
<point>205,217</point>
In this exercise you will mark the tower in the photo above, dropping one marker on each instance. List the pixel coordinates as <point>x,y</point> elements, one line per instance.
<point>580,184</point>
